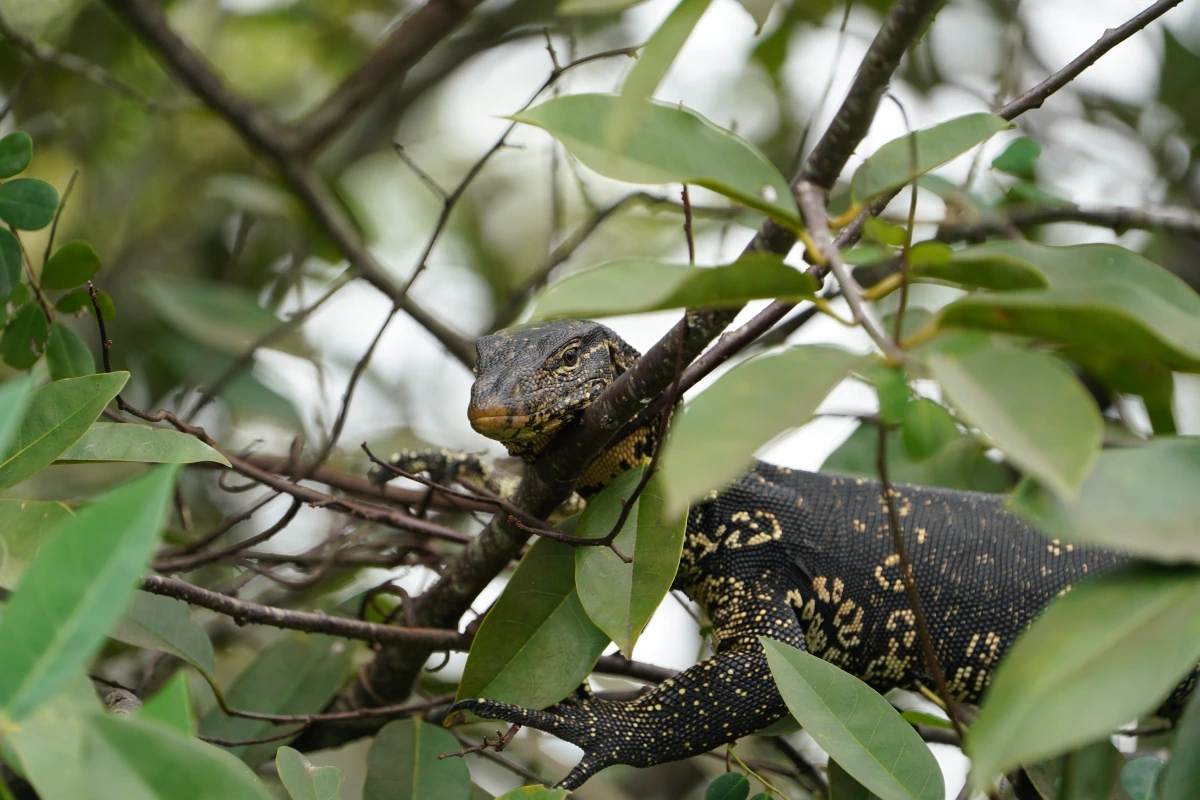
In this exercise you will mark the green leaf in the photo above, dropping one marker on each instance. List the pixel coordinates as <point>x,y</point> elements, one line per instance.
<point>534,793</point>
<point>57,415</point>
<point>885,233</point>
<point>961,464</point>
<point>730,786</point>
<point>536,644</point>
<point>116,441</point>
<point>759,11</point>
<point>893,165</point>
<point>1138,500</point>
<point>403,764</point>
<point>620,598</point>
<point>927,427</point>
<point>303,781</point>
<point>66,354</point>
<point>570,8</point>
<point>1031,406</point>
<point>1091,771</point>
<point>1019,158</point>
<point>77,587</point>
<point>27,203</point>
<point>72,265</point>
<point>225,318</point>
<point>49,742</point>
<point>297,674</point>
<point>1139,778</point>
<point>24,525</point>
<point>891,388</point>
<point>714,438</point>
<point>75,301</point>
<point>652,64</point>
<point>156,762</point>
<point>929,720</point>
<point>1097,295</point>
<point>10,262</point>
<point>25,337</point>
<point>16,151</point>
<point>165,624</point>
<point>668,144</point>
<point>843,786</point>
<point>855,725</point>
<point>14,395</point>
<point>172,705</point>
<point>1181,776</point>
<point>1107,651</point>
<point>631,286</point>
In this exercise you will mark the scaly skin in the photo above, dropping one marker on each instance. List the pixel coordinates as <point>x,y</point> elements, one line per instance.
<point>801,557</point>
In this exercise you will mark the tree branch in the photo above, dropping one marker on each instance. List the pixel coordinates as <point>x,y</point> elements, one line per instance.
<point>1173,219</point>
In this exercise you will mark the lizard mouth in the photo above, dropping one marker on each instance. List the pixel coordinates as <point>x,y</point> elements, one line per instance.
<point>497,425</point>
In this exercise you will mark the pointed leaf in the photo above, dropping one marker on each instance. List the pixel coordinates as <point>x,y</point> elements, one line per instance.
<point>403,764</point>
<point>730,786</point>
<point>620,598</point>
<point>165,624</point>
<point>159,763</point>
<point>115,441</point>
<point>303,781</point>
<point>14,395</point>
<point>1109,650</point>
<point>855,725</point>
<point>172,705</point>
<point>631,286</point>
<point>77,587</point>
<point>25,337</point>
<point>16,151</point>
<point>1019,158</point>
<point>57,415</point>
<point>668,144</point>
<point>536,644</point>
<point>10,262</point>
<point>27,203</point>
<point>1031,406</point>
<point>759,11</point>
<point>72,265</point>
<point>893,165</point>
<point>713,440</point>
<point>66,354</point>
<point>24,526</point>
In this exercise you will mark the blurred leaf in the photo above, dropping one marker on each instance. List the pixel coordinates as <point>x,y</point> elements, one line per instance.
<point>50,741</point>
<point>891,389</point>
<point>960,464</point>
<point>668,144</point>
<point>1091,771</point>
<point>66,354</point>
<point>16,151</point>
<point>165,624</point>
<point>927,428</point>
<point>886,233</point>
<point>72,265</point>
<point>855,725</point>
<point>620,598</point>
<point>759,11</point>
<point>1031,406</point>
<point>1019,158</point>
<point>297,674</point>
<point>1095,295</point>
<point>403,764</point>
<point>1153,382</point>
<point>116,441</point>
<point>77,587</point>
<point>27,203</point>
<point>569,8</point>
<point>131,758</point>
<point>1140,779</point>
<point>14,395</point>
<point>10,263</point>
<point>223,317</point>
<point>867,255</point>
<point>57,415</point>
<point>25,337</point>
<point>715,436</point>
<point>1138,500</point>
<point>254,195</point>
<point>893,165</point>
<point>303,781</point>
<point>534,793</point>
<point>1177,87</point>
<point>1182,774</point>
<point>730,786</point>
<point>74,301</point>
<point>24,525</point>
<point>1102,654</point>
<point>929,720</point>
<point>652,64</point>
<point>536,644</point>
<point>633,286</point>
<point>172,705</point>
<point>843,786</point>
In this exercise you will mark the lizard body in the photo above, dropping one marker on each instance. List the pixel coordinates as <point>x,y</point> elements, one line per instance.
<point>801,557</point>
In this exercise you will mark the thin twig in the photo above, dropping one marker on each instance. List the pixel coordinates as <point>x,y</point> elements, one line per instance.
<point>1179,220</point>
<point>497,745</point>
<point>62,203</point>
<point>186,563</point>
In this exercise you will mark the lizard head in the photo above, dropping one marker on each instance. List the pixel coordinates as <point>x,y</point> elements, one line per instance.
<point>532,380</point>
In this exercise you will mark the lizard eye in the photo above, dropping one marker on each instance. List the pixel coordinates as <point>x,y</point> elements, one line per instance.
<point>570,359</point>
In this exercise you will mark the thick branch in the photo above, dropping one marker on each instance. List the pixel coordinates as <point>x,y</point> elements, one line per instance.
<point>1175,220</point>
